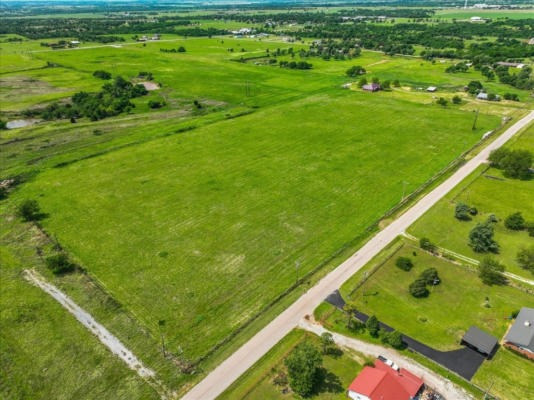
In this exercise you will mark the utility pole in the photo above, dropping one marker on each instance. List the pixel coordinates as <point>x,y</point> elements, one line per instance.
<point>486,393</point>
<point>476,119</point>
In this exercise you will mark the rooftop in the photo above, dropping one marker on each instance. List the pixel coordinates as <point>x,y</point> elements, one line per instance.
<point>522,331</point>
<point>483,341</point>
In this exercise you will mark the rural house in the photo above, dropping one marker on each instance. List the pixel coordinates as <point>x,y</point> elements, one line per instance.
<point>510,64</point>
<point>384,382</point>
<point>520,337</point>
<point>431,89</point>
<point>372,87</point>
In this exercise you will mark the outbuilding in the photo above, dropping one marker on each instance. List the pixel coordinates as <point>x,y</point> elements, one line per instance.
<point>431,89</point>
<point>480,341</point>
<point>372,87</point>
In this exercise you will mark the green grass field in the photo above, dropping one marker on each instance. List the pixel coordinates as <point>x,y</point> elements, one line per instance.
<point>198,217</point>
<point>501,196</point>
<point>46,353</point>
<point>257,382</point>
<point>386,295</point>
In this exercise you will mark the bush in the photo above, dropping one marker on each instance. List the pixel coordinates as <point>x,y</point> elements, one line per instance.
<point>481,238</point>
<point>442,102</point>
<point>59,263</point>
<point>430,276</point>
<point>362,82</point>
<point>462,212</point>
<point>3,192</point>
<point>181,49</point>
<point>491,272</point>
<point>418,288</point>
<point>525,258</point>
<point>394,339</point>
<point>427,245</point>
<point>396,83</point>
<point>156,104</point>
<point>529,226</point>
<point>102,75</point>
<point>515,222</point>
<point>457,100</point>
<point>404,263</point>
<point>372,325</point>
<point>473,211</point>
<point>29,210</point>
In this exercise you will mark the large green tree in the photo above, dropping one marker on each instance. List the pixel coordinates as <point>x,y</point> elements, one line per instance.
<point>491,271</point>
<point>303,367</point>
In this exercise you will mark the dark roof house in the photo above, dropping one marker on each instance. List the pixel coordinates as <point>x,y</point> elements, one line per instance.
<point>372,87</point>
<point>384,382</point>
<point>521,334</point>
<point>479,340</point>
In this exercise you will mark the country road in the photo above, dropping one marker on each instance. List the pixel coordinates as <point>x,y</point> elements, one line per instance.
<point>235,365</point>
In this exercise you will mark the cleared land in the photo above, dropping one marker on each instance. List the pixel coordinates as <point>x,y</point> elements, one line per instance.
<point>491,193</point>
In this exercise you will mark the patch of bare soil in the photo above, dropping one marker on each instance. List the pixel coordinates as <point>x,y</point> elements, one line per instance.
<point>149,85</point>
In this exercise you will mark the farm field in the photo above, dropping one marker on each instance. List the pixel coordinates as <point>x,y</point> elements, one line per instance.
<point>193,222</point>
<point>491,193</point>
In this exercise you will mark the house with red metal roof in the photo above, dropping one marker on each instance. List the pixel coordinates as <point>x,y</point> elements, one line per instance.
<point>384,382</point>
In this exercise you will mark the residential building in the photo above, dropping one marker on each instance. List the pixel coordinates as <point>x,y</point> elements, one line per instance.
<point>372,87</point>
<point>480,341</point>
<point>521,335</point>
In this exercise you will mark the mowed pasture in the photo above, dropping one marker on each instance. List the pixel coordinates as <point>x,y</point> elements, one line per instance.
<point>491,193</point>
<point>203,229</point>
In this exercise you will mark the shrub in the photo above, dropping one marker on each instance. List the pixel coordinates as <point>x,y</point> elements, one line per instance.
<point>430,276</point>
<point>456,99</point>
<point>404,263</point>
<point>394,339</point>
<point>491,272</point>
<point>529,226</point>
<point>3,192</point>
<point>59,263</point>
<point>396,83</point>
<point>372,325</point>
<point>181,49</point>
<point>442,102</point>
<point>29,210</point>
<point>427,245</point>
<point>418,288</point>
<point>156,104</point>
<point>473,211</point>
<point>481,238</point>
<point>102,75</point>
<point>525,258</point>
<point>462,212</point>
<point>362,82</point>
<point>515,222</point>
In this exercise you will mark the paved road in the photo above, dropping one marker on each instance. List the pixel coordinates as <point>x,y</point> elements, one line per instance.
<point>445,387</point>
<point>235,365</point>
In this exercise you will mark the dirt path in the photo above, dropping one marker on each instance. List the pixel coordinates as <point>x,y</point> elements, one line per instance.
<point>102,334</point>
<point>445,387</point>
<point>230,369</point>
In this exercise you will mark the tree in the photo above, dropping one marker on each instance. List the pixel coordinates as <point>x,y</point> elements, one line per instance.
<point>29,210</point>
<point>462,212</point>
<point>474,87</point>
<point>349,309</point>
<point>102,74</point>
<point>375,79</point>
<point>418,288</point>
<point>491,272</point>
<point>525,258</point>
<point>430,276</point>
<point>156,104</point>
<point>59,263</point>
<point>404,263</point>
<point>3,125</point>
<point>386,85</point>
<point>427,245</point>
<point>3,192</point>
<point>355,70</point>
<point>529,226</point>
<point>481,238</point>
<point>327,341</point>
<point>515,222</point>
<point>457,100</point>
<point>394,339</point>
<point>181,49</point>
<point>372,325</point>
<point>396,83</point>
<point>442,102</point>
<point>303,367</point>
<point>515,163</point>
<point>362,81</point>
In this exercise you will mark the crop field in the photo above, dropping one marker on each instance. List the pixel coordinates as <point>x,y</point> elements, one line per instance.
<point>491,193</point>
<point>494,14</point>
<point>195,218</point>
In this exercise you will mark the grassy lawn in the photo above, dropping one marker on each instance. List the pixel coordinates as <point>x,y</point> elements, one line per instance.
<point>47,354</point>
<point>509,376</point>
<point>386,295</point>
<point>501,196</point>
<point>257,382</point>
<point>221,214</point>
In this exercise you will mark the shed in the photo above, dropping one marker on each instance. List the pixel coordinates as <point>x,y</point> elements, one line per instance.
<point>431,89</point>
<point>372,87</point>
<point>479,340</point>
